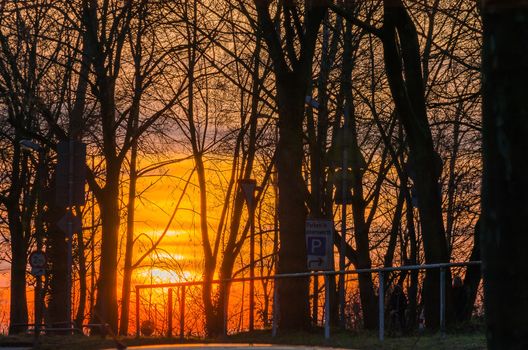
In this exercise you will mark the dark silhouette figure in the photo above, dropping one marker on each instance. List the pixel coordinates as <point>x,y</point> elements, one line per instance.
<point>459,298</point>
<point>396,309</point>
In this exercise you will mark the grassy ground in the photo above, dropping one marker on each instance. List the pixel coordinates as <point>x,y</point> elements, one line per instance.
<point>363,341</point>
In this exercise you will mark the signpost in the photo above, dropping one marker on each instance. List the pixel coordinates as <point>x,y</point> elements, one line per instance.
<point>320,256</point>
<point>37,261</point>
<point>319,244</point>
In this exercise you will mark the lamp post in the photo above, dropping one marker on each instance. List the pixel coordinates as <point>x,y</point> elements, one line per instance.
<point>248,187</point>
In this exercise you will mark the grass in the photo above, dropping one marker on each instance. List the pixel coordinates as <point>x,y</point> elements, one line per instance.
<point>350,340</point>
<point>369,341</point>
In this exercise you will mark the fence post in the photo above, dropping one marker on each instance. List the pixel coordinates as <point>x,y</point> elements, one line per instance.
<point>442,300</point>
<point>381,302</point>
<point>275,311</point>
<point>182,312</point>
<point>137,312</point>
<point>225,310</point>
<point>169,321</point>
<point>327,307</point>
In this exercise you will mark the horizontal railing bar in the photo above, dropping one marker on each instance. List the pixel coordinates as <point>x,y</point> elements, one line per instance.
<point>310,274</point>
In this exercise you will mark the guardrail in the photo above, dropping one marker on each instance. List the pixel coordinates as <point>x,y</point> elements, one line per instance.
<point>182,286</point>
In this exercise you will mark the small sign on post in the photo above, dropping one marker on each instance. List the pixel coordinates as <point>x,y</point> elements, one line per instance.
<point>37,261</point>
<point>64,223</point>
<point>319,244</point>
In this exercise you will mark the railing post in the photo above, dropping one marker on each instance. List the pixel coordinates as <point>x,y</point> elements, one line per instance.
<point>442,300</point>
<point>169,323</point>
<point>182,312</point>
<point>137,312</point>
<point>381,302</point>
<point>225,310</point>
<point>327,307</point>
<point>275,311</point>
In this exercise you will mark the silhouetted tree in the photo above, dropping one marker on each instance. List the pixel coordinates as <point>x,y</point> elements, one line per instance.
<point>505,188</point>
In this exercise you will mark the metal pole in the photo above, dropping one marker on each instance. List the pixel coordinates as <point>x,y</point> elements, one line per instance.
<point>252,267</point>
<point>169,321</point>
<point>225,315</point>
<point>342,246</point>
<point>182,312</point>
<point>327,307</point>
<point>137,312</point>
<point>442,300</point>
<point>315,301</point>
<point>275,308</point>
<point>39,236</point>
<point>381,313</point>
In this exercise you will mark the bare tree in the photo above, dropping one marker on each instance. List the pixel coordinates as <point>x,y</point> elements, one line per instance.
<point>505,123</point>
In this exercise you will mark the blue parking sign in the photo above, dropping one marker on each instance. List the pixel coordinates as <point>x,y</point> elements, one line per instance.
<point>317,246</point>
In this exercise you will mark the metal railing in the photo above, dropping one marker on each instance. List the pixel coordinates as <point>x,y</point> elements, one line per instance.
<point>381,272</point>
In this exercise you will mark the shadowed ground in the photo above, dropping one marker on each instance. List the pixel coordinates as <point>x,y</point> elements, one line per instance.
<point>473,340</point>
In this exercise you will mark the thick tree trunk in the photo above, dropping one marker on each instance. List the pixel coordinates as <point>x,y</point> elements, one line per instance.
<point>18,312</point>
<point>505,190</point>
<point>79,318</point>
<point>293,293</point>
<point>292,85</point>
<point>129,246</point>
<point>105,310</point>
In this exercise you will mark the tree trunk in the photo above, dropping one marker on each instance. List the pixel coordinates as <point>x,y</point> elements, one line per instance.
<point>18,312</point>
<point>505,190</point>
<point>292,86</point>
<point>402,63</point>
<point>105,310</point>
<point>293,293</point>
<point>129,246</point>
<point>79,318</point>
